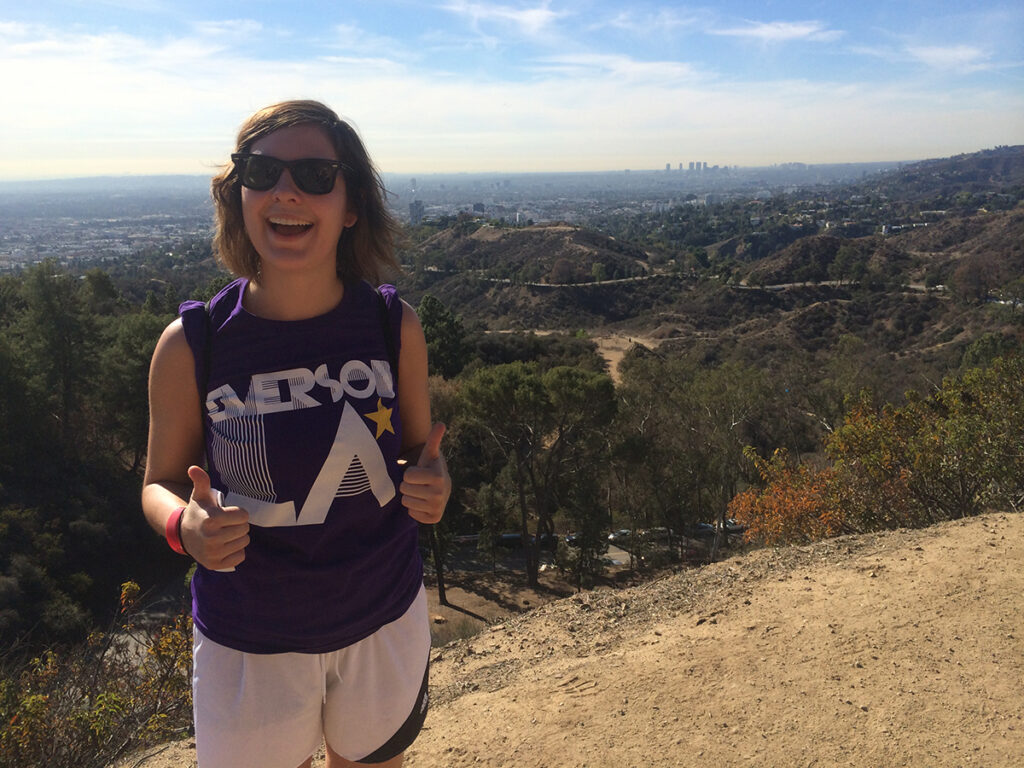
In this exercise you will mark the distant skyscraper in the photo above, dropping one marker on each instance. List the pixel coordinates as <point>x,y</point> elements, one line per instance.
<point>668,167</point>
<point>416,211</point>
<point>691,165</point>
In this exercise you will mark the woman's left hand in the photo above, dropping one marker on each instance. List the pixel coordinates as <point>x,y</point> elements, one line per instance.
<point>426,485</point>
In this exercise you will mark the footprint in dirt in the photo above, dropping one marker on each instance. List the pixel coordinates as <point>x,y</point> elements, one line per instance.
<point>575,687</point>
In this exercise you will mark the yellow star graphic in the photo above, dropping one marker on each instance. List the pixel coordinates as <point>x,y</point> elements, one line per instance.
<point>382,418</point>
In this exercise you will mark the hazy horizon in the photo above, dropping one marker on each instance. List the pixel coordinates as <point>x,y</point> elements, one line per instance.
<point>512,86</point>
<point>201,177</point>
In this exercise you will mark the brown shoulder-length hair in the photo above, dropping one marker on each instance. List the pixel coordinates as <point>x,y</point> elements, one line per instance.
<point>365,250</point>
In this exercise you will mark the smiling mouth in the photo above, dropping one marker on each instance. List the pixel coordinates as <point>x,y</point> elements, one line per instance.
<point>289,227</point>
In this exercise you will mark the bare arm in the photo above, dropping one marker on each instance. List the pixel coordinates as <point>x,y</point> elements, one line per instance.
<point>215,536</point>
<point>175,427</point>
<point>426,484</point>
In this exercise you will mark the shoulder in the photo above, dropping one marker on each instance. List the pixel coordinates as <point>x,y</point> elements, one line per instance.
<point>173,348</point>
<point>412,330</point>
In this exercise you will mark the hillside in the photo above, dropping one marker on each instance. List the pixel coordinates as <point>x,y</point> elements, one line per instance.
<point>996,238</point>
<point>551,253</point>
<point>897,649</point>
<point>990,171</point>
<point>835,287</point>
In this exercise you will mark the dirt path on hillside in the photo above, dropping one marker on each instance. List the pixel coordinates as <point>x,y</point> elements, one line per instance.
<point>613,347</point>
<point>897,649</point>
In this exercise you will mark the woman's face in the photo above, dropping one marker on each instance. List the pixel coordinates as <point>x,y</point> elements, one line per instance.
<point>290,229</point>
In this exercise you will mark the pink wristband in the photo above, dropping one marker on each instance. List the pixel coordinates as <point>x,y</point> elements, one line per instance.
<point>172,531</point>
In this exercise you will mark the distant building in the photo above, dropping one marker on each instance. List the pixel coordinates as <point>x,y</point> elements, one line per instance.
<point>416,211</point>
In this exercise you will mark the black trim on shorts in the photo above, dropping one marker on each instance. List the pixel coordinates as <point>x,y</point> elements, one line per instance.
<point>408,731</point>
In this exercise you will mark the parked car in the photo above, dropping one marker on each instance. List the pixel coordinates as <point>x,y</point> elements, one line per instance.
<point>731,526</point>
<point>621,536</point>
<point>660,534</point>
<point>701,531</point>
<point>513,541</point>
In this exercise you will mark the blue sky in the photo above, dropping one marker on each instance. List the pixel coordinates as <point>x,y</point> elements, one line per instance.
<point>160,86</point>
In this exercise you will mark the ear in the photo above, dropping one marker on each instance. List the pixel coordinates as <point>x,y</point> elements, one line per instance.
<point>350,219</point>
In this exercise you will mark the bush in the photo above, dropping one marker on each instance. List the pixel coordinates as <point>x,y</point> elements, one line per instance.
<point>797,504</point>
<point>87,706</point>
<point>953,454</point>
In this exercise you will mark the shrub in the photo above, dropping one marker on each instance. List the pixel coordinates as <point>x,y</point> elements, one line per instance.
<point>796,505</point>
<point>86,706</point>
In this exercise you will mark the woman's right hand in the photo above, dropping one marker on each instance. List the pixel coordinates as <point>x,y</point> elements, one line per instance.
<point>215,536</point>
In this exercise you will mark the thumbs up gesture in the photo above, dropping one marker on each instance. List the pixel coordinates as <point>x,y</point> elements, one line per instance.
<point>215,536</point>
<point>426,485</point>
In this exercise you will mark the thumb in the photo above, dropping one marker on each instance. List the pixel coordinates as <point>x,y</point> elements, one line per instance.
<point>432,447</point>
<point>201,491</point>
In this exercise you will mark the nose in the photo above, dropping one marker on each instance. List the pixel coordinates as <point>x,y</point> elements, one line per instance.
<point>285,186</point>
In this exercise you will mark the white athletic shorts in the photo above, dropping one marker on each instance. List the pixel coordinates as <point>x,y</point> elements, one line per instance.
<point>367,700</point>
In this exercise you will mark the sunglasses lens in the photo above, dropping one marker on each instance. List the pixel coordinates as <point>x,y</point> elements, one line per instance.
<point>316,177</point>
<point>259,173</point>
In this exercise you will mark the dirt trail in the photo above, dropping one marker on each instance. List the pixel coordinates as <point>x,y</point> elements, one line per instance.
<point>896,649</point>
<point>614,346</point>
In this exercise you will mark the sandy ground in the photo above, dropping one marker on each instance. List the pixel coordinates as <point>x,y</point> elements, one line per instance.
<point>896,649</point>
<point>613,347</point>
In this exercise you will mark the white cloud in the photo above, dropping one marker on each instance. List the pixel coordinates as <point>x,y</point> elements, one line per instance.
<point>529,21</point>
<point>116,103</point>
<point>616,67</point>
<point>366,65</point>
<point>664,20</point>
<point>233,28</point>
<point>9,29</point>
<point>352,38</point>
<point>783,31</point>
<point>958,57</point>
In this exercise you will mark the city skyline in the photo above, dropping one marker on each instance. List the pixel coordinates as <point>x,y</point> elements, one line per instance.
<point>115,87</point>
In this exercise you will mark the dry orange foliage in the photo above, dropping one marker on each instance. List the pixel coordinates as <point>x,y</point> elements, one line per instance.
<point>796,504</point>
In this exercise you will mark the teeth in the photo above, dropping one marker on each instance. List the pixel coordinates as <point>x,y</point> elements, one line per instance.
<point>289,222</point>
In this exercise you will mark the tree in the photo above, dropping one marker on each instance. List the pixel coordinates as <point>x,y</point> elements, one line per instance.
<point>733,401</point>
<point>563,271</point>
<point>23,433</point>
<point>975,278</point>
<point>58,339</point>
<point>447,349</point>
<point>548,429</point>
<point>795,505</point>
<point>679,439</point>
<point>946,456</point>
<point>100,295</point>
<point>658,461</point>
<point>123,400</point>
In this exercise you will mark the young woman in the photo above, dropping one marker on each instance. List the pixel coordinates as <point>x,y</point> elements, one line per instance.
<point>306,390</point>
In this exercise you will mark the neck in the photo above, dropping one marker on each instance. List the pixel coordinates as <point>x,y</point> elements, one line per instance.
<point>293,297</point>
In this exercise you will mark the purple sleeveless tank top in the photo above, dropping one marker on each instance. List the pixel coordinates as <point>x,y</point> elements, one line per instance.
<point>303,430</point>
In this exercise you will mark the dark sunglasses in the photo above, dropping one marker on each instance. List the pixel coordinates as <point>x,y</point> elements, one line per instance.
<point>312,175</point>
